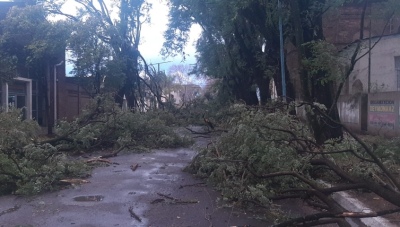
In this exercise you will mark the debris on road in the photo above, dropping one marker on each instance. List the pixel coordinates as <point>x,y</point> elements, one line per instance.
<point>157,201</point>
<point>177,201</point>
<point>134,215</point>
<point>99,159</point>
<point>12,209</point>
<point>74,181</point>
<point>201,184</point>
<point>134,167</point>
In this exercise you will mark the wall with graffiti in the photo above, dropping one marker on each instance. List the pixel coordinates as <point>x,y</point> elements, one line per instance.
<point>349,111</point>
<point>382,113</point>
<point>379,114</point>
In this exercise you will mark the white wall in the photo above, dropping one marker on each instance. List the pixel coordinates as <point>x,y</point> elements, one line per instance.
<point>382,65</point>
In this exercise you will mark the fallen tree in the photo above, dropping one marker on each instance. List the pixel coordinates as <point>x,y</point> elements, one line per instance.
<point>104,125</point>
<point>270,155</point>
<point>27,167</point>
<point>30,164</point>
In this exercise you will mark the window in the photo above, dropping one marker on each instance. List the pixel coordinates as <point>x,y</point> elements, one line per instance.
<point>397,69</point>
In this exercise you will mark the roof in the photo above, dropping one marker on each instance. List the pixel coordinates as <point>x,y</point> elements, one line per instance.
<point>373,39</point>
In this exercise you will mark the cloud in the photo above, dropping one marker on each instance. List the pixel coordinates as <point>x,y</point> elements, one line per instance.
<point>153,36</point>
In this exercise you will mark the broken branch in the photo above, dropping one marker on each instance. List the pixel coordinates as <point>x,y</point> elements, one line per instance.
<point>177,201</point>
<point>98,159</point>
<point>115,153</point>
<point>12,209</point>
<point>134,167</point>
<point>133,215</point>
<point>190,185</point>
<point>166,196</point>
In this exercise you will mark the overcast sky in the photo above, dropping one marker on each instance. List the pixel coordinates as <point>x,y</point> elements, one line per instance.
<point>152,36</point>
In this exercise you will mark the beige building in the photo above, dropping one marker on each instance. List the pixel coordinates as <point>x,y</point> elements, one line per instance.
<point>378,69</point>
<point>184,93</point>
<point>370,100</point>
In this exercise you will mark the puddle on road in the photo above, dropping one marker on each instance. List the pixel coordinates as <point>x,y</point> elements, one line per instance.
<point>89,198</point>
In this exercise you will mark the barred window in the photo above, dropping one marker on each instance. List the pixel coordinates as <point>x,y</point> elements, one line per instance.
<point>397,69</point>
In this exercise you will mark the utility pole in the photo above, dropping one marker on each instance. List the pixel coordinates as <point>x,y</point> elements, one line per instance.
<point>55,92</point>
<point>158,65</point>
<point>158,71</point>
<point>369,48</point>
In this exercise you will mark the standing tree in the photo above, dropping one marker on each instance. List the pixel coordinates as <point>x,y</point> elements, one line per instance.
<point>93,60</point>
<point>232,43</point>
<point>316,86</point>
<point>321,78</point>
<point>230,48</point>
<point>117,27</point>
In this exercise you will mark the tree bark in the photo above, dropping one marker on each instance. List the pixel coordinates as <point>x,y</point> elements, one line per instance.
<point>312,88</point>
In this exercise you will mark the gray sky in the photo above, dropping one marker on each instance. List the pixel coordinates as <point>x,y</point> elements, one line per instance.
<point>152,36</point>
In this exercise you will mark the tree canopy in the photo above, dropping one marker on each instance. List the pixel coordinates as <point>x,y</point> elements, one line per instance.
<point>106,41</point>
<point>28,39</point>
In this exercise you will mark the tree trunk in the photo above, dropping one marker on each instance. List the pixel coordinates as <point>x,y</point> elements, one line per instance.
<point>312,89</point>
<point>130,87</point>
<point>244,92</point>
<point>265,91</point>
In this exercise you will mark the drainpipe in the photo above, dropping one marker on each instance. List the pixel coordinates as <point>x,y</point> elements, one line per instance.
<point>369,49</point>
<point>55,91</point>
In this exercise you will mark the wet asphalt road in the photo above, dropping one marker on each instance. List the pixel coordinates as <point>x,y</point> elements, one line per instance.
<point>116,189</point>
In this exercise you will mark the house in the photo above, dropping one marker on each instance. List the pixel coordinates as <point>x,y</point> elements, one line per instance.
<point>371,96</point>
<point>59,98</point>
<point>184,93</point>
<point>368,101</point>
<point>19,93</point>
<point>342,25</point>
<point>377,70</point>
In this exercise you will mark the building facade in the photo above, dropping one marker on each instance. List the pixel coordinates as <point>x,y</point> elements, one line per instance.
<point>45,98</point>
<point>370,100</point>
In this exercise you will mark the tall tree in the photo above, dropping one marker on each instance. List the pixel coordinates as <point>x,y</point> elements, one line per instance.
<point>118,26</point>
<point>306,21</point>
<point>320,76</point>
<point>231,46</point>
<point>95,64</point>
<point>234,37</point>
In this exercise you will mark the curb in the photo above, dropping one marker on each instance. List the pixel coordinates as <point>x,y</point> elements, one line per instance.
<point>352,204</point>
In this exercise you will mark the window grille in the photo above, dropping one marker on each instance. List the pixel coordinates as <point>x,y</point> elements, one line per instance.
<point>397,70</point>
<point>398,78</point>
